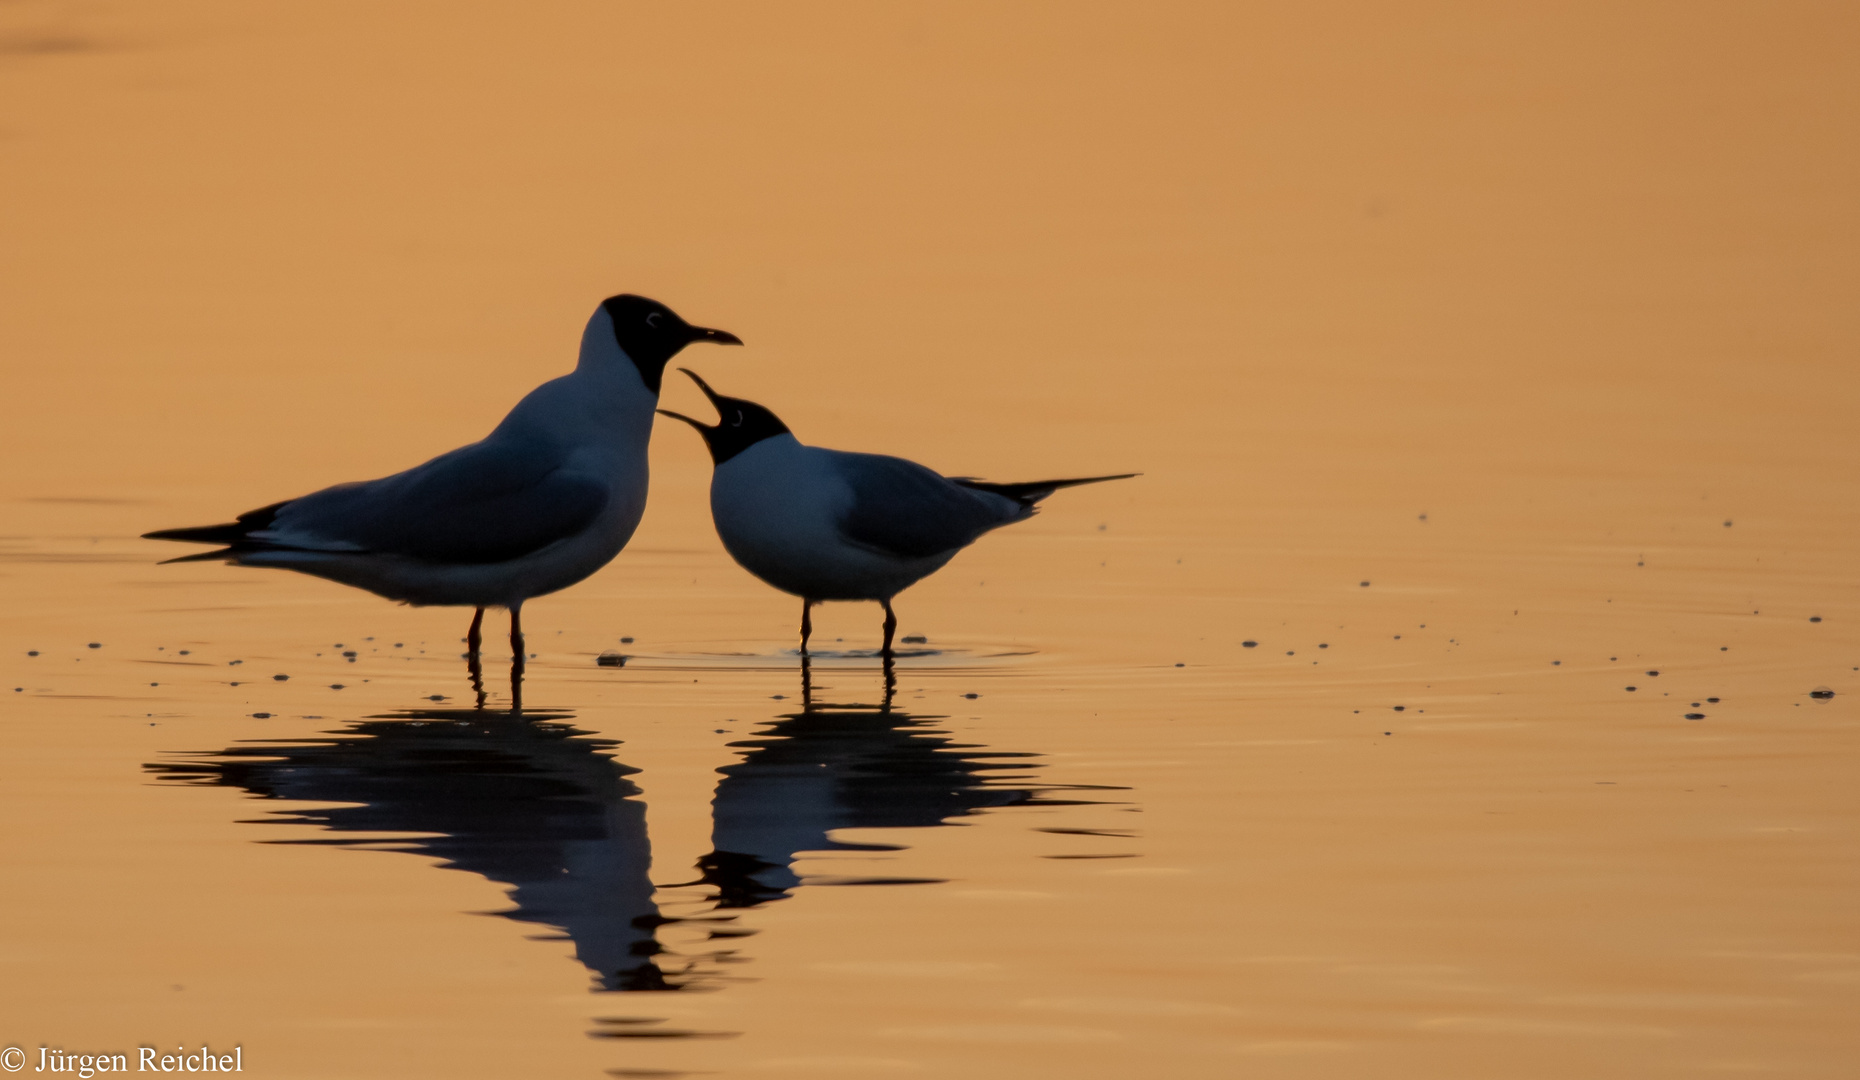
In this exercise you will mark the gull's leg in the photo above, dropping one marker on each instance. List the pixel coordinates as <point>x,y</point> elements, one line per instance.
<point>891,627</point>
<point>890,661</point>
<point>806,660</point>
<point>516,658</point>
<point>474,639</point>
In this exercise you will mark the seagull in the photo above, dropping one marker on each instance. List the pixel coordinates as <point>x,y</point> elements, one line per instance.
<point>832,525</point>
<point>547,498</point>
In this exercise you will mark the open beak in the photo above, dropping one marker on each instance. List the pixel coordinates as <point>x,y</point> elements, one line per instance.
<point>715,398</point>
<point>700,425</point>
<point>717,337</point>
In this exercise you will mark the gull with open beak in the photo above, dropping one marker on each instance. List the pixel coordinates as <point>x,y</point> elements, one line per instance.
<point>833,525</point>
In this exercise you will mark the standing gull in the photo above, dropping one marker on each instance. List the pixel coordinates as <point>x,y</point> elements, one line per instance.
<point>831,525</point>
<point>544,500</point>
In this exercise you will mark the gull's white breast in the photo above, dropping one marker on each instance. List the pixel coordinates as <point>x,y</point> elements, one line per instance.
<point>777,507</point>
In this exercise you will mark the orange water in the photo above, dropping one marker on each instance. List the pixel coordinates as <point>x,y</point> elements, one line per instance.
<point>1538,321</point>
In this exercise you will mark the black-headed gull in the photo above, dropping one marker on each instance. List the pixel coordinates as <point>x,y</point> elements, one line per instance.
<point>543,501</point>
<point>832,525</point>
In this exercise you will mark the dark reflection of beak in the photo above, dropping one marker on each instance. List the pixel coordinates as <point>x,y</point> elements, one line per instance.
<point>540,807</point>
<point>718,337</point>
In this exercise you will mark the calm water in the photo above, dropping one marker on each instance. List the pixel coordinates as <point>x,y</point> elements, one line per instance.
<point>1441,701</point>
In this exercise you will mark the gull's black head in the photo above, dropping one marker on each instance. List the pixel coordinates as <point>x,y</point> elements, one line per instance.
<point>651,334</point>
<point>740,424</point>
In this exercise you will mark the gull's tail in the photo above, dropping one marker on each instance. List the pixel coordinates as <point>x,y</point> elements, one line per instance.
<point>235,535</point>
<point>1032,491</point>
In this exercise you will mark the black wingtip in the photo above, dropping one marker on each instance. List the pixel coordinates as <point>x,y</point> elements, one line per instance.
<point>201,534</point>
<point>221,555</point>
<point>1033,491</point>
<point>232,532</point>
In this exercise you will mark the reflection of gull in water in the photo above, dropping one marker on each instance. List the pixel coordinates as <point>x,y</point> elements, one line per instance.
<point>846,767</point>
<point>538,806</point>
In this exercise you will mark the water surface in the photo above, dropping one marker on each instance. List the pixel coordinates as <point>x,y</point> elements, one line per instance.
<point>1481,365</point>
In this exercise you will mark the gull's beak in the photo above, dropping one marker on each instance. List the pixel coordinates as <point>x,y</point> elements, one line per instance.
<point>704,386</point>
<point>716,337</point>
<point>701,426</point>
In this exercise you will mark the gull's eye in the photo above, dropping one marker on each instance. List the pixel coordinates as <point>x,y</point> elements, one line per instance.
<point>652,320</point>
<point>739,419</point>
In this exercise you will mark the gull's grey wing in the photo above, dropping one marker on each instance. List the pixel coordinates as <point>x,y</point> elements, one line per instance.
<point>901,508</point>
<point>483,503</point>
